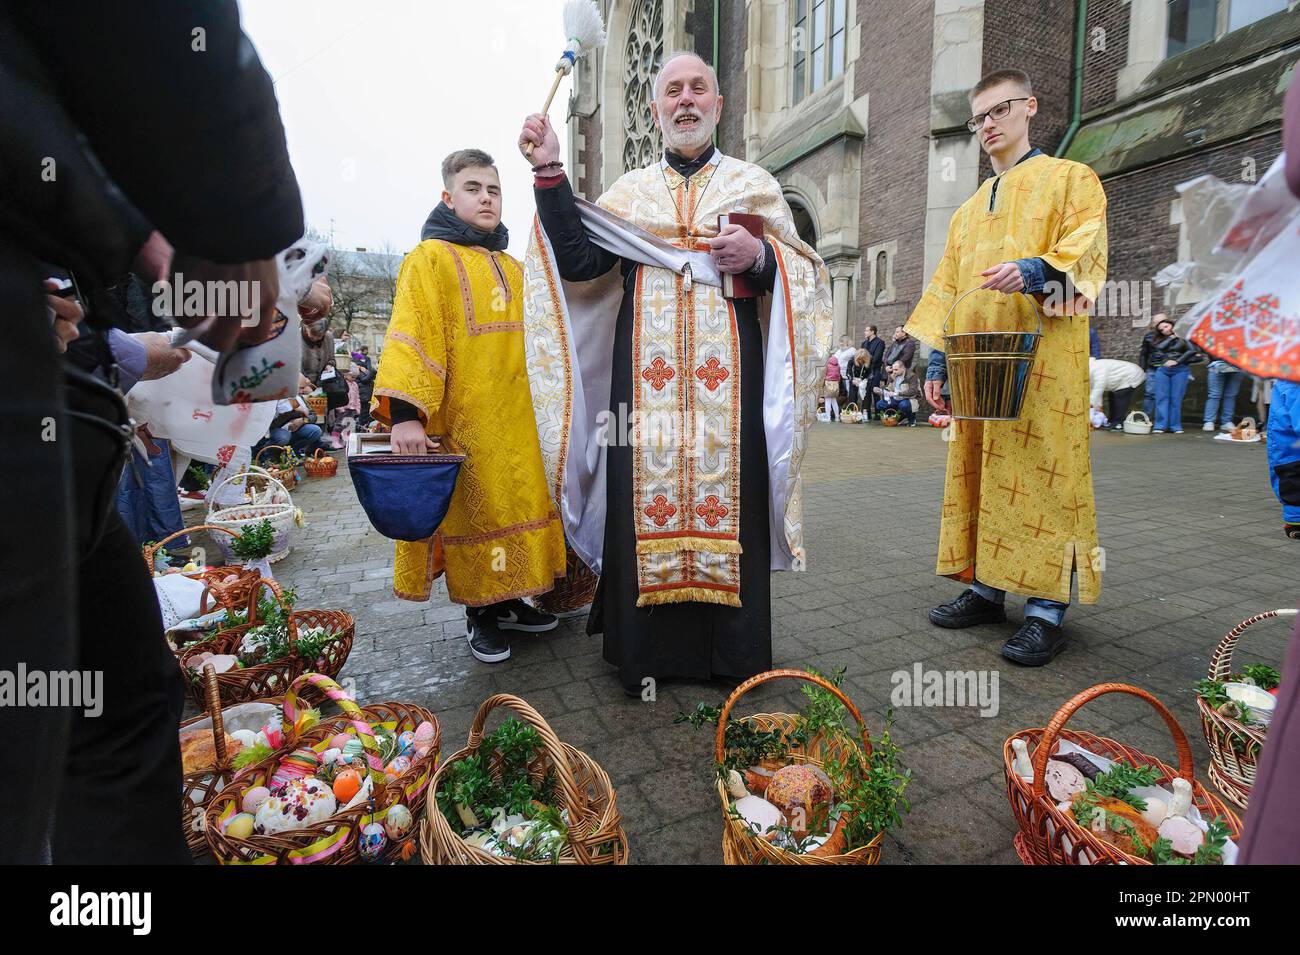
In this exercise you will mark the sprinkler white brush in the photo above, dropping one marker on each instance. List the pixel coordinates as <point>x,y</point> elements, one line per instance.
<point>584,31</point>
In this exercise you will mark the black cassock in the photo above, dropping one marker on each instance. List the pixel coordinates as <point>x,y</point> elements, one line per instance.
<point>693,640</point>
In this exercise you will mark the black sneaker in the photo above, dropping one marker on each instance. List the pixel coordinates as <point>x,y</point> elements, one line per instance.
<point>517,615</point>
<point>1035,643</point>
<point>968,610</point>
<point>486,642</point>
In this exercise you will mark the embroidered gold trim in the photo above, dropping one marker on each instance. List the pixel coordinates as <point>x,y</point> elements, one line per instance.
<point>429,363</point>
<point>472,325</point>
<point>688,542</point>
<point>520,528</point>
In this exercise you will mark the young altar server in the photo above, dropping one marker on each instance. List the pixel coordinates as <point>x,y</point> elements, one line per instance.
<point>1018,512</point>
<point>452,373</point>
<point>637,313</point>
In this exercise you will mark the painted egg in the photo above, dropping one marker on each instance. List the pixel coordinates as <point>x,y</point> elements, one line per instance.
<point>353,748</point>
<point>240,826</point>
<point>301,762</point>
<point>339,740</point>
<point>254,798</point>
<point>398,822</point>
<point>424,739</point>
<point>330,756</point>
<point>398,766</point>
<point>405,743</point>
<point>346,784</point>
<point>372,842</point>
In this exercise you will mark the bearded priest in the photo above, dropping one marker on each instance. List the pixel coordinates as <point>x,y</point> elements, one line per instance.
<point>674,358</point>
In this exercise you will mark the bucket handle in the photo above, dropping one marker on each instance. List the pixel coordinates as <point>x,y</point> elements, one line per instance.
<point>1037,308</point>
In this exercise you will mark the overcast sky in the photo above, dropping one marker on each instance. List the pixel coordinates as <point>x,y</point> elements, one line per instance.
<point>373,95</point>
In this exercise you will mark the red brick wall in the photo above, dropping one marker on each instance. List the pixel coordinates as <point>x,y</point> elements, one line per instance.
<point>896,44</point>
<point>1107,28</point>
<point>1036,36</point>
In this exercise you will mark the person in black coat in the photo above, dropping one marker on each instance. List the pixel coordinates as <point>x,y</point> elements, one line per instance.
<point>120,120</point>
<point>875,346</point>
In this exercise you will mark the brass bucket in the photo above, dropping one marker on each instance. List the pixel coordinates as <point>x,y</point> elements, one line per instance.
<point>988,372</point>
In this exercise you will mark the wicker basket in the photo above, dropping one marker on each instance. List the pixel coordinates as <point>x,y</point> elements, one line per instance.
<point>890,417</point>
<point>199,787</point>
<point>1049,836</point>
<point>242,685</point>
<point>574,591</point>
<point>740,844</point>
<point>1232,769</point>
<point>595,830</point>
<point>319,404</point>
<point>332,841</point>
<point>273,503</point>
<point>321,464</point>
<point>288,476</point>
<point>851,413</point>
<point>225,593</point>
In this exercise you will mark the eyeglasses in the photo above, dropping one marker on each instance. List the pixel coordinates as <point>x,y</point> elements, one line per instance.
<point>997,112</point>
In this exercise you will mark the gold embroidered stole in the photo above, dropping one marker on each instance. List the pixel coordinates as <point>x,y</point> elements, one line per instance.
<point>686,416</point>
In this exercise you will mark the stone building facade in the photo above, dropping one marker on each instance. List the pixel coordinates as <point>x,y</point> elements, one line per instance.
<point>858,107</point>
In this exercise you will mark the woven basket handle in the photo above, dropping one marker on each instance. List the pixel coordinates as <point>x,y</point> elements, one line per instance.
<point>149,550</point>
<point>356,718</point>
<point>212,700</point>
<point>953,308</point>
<point>1062,716</point>
<point>573,798</point>
<point>256,592</point>
<point>257,458</point>
<point>320,453</point>
<point>244,473</point>
<point>1221,660</point>
<point>720,750</point>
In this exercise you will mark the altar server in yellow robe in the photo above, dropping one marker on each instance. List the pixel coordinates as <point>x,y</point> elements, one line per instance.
<point>1018,512</point>
<point>453,369</point>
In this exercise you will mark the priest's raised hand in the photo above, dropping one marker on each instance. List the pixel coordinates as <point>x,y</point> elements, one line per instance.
<point>540,134</point>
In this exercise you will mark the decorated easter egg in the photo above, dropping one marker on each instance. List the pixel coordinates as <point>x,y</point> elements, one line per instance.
<point>339,740</point>
<point>346,784</point>
<point>398,822</point>
<point>398,766</point>
<point>301,762</point>
<point>240,826</point>
<point>424,736</point>
<point>405,743</point>
<point>372,842</point>
<point>254,798</point>
<point>353,749</point>
<point>331,756</point>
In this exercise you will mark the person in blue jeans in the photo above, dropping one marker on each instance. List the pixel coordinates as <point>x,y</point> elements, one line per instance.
<point>1284,452</point>
<point>1171,358</point>
<point>1221,395</point>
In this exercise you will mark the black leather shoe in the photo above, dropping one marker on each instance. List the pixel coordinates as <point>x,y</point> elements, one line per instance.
<point>968,610</point>
<point>1035,644</point>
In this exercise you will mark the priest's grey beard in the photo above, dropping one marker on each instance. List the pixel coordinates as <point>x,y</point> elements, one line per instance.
<point>678,139</point>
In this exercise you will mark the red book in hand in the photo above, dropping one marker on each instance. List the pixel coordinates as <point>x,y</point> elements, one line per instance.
<point>741,285</point>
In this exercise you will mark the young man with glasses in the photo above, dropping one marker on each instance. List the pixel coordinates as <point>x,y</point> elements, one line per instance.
<point>1018,511</point>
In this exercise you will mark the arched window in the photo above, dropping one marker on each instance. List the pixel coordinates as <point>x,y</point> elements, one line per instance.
<point>803,221</point>
<point>643,55</point>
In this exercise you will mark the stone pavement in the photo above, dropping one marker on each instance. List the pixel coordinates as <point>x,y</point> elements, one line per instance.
<point>1193,546</point>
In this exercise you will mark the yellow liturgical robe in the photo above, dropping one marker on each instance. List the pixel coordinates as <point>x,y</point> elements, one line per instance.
<point>1018,509</point>
<point>455,350</point>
